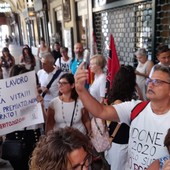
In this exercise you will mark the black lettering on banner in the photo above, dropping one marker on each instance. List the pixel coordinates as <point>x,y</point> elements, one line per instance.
<point>2,101</point>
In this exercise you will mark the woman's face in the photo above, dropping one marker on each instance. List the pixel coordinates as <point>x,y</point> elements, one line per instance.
<point>26,51</point>
<point>79,159</point>
<point>65,86</point>
<point>42,43</point>
<point>63,52</point>
<point>6,53</point>
<point>93,66</point>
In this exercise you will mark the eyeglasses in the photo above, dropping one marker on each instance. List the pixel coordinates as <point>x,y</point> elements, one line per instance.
<point>87,162</point>
<point>62,83</point>
<point>155,82</point>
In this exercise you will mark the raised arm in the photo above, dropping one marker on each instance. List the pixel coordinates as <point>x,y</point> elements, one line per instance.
<point>91,104</point>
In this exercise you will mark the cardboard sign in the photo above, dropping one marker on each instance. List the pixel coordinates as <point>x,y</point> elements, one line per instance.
<point>18,104</point>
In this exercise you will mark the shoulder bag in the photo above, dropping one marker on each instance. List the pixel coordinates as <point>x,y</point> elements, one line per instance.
<point>52,80</point>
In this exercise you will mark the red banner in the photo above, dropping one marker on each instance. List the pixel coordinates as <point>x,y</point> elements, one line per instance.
<point>113,62</point>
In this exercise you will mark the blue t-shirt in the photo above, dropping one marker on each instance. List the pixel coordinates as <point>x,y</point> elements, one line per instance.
<point>74,65</point>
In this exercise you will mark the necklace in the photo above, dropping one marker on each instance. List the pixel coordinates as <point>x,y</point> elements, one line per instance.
<point>74,114</point>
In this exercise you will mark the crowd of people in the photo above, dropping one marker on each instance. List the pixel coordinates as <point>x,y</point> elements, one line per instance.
<point>69,105</point>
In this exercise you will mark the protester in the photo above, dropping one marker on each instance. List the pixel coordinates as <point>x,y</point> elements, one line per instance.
<point>123,89</point>
<point>43,49</point>
<point>27,58</point>
<point>65,148</point>
<point>30,135</point>
<point>143,69</point>
<point>45,75</point>
<point>78,58</point>
<point>63,62</point>
<point>98,87</point>
<point>163,56</point>
<point>159,163</point>
<point>148,129</point>
<point>6,62</point>
<point>56,51</point>
<point>67,109</point>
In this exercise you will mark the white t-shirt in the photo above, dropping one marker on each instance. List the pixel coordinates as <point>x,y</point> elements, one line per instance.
<point>44,78</point>
<point>63,65</point>
<point>147,133</point>
<point>63,115</point>
<point>97,89</point>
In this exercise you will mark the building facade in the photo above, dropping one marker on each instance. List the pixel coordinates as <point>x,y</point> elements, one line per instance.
<point>133,24</point>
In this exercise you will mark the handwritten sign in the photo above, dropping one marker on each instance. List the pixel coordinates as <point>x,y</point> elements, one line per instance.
<point>18,104</point>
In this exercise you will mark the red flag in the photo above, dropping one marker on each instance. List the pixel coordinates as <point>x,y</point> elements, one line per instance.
<point>113,63</point>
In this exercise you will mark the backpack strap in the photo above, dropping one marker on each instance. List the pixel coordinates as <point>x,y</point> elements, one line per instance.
<point>52,80</point>
<point>60,62</point>
<point>137,109</point>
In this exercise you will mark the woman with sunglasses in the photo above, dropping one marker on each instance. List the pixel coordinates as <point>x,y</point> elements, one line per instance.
<point>67,109</point>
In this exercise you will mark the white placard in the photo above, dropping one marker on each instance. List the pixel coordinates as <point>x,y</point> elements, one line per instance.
<point>18,104</point>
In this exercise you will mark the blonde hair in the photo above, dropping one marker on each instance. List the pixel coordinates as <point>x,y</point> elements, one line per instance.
<point>100,60</point>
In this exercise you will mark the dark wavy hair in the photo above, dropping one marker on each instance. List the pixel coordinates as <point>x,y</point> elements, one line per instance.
<point>123,86</point>
<point>29,53</point>
<point>17,69</point>
<point>53,149</point>
<point>6,49</point>
<point>70,78</point>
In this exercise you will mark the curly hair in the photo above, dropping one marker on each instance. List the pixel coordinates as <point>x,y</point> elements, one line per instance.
<point>123,86</point>
<point>52,150</point>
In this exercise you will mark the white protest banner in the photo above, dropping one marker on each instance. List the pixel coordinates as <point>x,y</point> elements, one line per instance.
<point>18,104</point>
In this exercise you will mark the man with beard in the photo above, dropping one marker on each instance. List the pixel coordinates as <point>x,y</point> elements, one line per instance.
<point>149,128</point>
